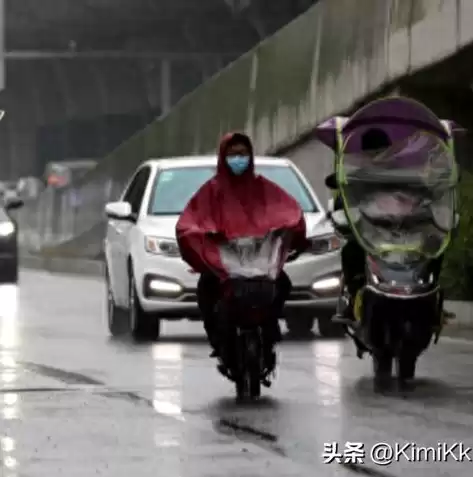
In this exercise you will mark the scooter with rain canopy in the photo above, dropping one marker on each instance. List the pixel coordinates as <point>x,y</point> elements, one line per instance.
<point>253,265</point>
<point>399,204</point>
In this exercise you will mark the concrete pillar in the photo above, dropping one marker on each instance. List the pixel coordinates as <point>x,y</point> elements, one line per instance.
<point>104,98</point>
<point>4,148</point>
<point>22,142</point>
<point>166,85</point>
<point>20,122</point>
<point>2,45</point>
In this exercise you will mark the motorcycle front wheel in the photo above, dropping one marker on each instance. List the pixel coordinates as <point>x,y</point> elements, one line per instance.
<point>248,379</point>
<point>406,366</point>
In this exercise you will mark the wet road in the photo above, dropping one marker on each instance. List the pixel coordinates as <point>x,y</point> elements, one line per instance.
<point>75,402</point>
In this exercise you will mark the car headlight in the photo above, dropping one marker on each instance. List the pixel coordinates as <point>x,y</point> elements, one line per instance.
<point>164,287</point>
<point>162,246</point>
<point>324,244</point>
<point>155,286</point>
<point>6,228</point>
<point>327,284</point>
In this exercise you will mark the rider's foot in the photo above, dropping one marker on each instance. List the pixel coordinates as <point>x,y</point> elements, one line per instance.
<point>448,315</point>
<point>224,371</point>
<point>266,382</point>
<point>278,337</point>
<point>274,332</point>
<point>347,314</point>
<point>270,363</point>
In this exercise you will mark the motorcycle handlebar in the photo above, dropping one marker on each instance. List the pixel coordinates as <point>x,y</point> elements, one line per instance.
<point>293,255</point>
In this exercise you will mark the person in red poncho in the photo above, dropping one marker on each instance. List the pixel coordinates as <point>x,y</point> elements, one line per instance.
<point>233,203</point>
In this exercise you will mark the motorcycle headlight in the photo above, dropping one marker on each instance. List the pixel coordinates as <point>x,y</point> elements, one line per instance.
<point>161,246</point>
<point>324,244</point>
<point>6,228</point>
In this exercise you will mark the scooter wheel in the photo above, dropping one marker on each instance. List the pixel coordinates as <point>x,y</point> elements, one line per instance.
<point>406,367</point>
<point>248,386</point>
<point>382,367</point>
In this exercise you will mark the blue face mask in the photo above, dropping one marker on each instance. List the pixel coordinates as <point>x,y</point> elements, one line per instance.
<point>238,164</point>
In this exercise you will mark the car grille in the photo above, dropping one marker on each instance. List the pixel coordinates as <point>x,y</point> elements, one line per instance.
<point>300,295</point>
<point>294,296</point>
<point>189,298</point>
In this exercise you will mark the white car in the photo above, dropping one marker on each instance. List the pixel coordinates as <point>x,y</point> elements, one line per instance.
<point>148,281</point>
<point>9,191</point>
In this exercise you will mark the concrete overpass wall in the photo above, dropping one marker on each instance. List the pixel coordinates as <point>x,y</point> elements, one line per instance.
<point>325,62</point>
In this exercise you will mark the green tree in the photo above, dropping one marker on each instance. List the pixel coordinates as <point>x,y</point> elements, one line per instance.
<point>457,276</point>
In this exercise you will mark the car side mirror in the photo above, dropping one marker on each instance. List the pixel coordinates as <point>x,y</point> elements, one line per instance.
<point>120,211</point>
<point>14,204</point>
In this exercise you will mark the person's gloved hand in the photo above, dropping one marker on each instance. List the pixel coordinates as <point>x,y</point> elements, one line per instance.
<point>216,236</point>
<point>302,247</point>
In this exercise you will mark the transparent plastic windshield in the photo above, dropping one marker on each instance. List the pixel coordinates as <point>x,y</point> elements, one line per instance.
<point>401,200</point>
<point>421,158</point>
<point>251,257</point>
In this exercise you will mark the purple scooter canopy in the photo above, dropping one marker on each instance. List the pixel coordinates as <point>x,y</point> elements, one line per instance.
<point>394,158</point>
<point>397,116</point>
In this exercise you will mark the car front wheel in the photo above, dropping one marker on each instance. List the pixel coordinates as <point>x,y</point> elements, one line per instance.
<point>116,319</point>
<point>329,329</point>
<point>300,326</point>
<point>143,326</point>
<point>9,271</point>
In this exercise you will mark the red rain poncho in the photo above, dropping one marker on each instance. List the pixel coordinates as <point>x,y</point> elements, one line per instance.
<point>234,206</point>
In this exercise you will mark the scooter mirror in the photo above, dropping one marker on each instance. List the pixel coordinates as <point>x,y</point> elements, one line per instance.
<point>339,218</point>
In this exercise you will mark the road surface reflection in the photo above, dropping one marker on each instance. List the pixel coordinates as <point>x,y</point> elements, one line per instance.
<point>9,342</point>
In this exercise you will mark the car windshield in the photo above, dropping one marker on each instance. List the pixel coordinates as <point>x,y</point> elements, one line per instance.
<point>174,188</point>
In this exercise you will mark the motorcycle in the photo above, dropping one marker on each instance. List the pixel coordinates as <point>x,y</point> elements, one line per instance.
<point>253,265</point>
<point>399,204</point>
